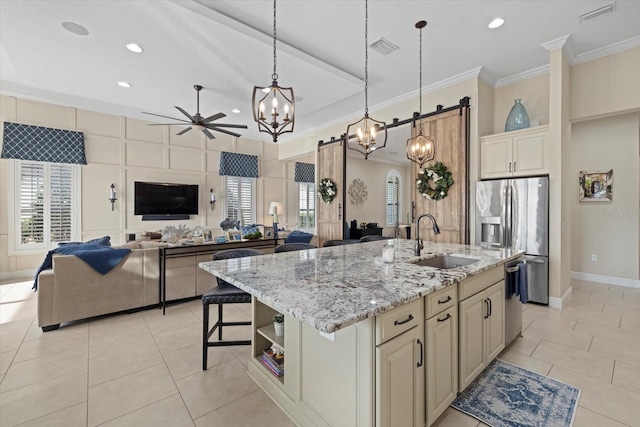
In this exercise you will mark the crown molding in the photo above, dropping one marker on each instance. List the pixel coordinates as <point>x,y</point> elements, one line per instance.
<point>607,50</point>
<point>525,75</point>
<point>565,43</point>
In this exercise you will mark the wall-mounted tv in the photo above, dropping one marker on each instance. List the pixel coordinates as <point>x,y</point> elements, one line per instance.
<point>159,201</point>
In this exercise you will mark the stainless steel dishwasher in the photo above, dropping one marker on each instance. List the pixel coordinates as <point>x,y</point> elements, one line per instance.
<point>512,305</point>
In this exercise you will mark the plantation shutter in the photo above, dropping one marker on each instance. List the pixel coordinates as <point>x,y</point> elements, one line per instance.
<point>306,202</point>
<point>60,202</point>
<point>31,202</point>
<point>393,200</point>
<point>240,199</point>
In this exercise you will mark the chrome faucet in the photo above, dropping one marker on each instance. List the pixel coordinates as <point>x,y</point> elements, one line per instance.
<point>417,245</point>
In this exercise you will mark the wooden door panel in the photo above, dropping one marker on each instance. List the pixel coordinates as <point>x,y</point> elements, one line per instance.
<point>330,215</point>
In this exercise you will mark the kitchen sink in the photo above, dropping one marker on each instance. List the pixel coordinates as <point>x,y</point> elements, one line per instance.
<point>444,262</point>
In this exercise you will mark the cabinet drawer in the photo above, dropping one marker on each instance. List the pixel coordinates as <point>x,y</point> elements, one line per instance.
<point>441,300</point>
<point>398,320</point>
<point>480,282</point>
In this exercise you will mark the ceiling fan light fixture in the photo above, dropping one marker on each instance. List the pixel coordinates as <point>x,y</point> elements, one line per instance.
<point>420,149</point>
<point>198,127</point>
<point>274,106</point>
<point>367,134</point>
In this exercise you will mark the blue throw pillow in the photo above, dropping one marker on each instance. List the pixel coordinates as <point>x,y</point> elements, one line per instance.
<point>104,241</point>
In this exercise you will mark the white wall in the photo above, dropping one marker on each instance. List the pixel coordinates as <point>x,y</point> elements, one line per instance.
<point>534,93</point>
<point>607,229</point>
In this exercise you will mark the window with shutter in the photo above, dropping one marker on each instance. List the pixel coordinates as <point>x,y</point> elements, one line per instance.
<point>45,204</point>
<point>240,199</point>
<point>393,197</point>
<point>306,206</point>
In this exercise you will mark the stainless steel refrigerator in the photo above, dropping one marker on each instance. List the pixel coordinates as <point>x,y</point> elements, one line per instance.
<point>514,213</point>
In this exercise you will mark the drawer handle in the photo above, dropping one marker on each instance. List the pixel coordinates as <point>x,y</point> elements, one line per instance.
<point>421,354</point>
<point>402,322</point>
<point>444,301</point>
<point>447,317</point>
<point>512,269</point>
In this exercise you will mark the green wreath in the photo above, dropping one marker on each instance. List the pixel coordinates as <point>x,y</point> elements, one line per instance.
<point>442,180</point>
<point>327,190</point>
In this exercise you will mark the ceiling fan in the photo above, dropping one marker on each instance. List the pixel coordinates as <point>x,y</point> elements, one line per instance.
<point>197,122</point>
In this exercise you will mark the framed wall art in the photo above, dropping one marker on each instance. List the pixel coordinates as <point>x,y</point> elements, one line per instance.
<point>596,186</point>
<point>268,232</point>
<point>234,235</point>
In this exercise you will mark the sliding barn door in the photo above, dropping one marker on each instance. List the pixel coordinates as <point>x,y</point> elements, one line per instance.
<point>449,131</point>
<point>330,216</point>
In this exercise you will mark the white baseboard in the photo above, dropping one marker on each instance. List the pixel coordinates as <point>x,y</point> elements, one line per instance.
<point>21,274</point>
<point>561,302</point>
<point>610,280</point>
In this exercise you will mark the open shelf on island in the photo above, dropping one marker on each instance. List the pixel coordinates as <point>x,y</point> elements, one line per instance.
<point>269,332</point>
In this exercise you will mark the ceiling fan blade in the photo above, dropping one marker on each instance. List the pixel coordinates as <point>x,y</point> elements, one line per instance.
<point>226,126</point>
<point>212,118</point>
<point>215,129</point>
<point>167,117</point>
<point>208,134</point>
<point>185,130</point>
<point>185,113</point>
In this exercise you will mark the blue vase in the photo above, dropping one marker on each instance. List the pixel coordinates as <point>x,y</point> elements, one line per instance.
<point>518,118</point>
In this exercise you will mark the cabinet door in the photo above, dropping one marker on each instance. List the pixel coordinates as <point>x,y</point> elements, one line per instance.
<point>496,157</point>
<point>528,154</point>
<point>472,312</point>
<point>442,362</point>
<point>494,330</point>
<point>400,381</point>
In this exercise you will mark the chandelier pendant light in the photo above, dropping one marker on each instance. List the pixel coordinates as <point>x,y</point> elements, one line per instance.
<point>420,149</point>
<point>367,134</point>
<point>273,106</point>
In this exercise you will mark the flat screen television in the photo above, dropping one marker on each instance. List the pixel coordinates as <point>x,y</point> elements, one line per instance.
<point>157,201</point>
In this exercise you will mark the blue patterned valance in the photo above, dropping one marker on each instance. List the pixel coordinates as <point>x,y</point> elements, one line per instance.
<point>235,164</point>
<point>42,144</point>
<point>305,172</point>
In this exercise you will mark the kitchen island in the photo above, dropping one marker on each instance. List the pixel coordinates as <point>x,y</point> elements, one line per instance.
<point>354,340</point>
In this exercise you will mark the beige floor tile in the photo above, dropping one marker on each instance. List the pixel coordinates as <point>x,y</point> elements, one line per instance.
<point>589,364</point>
<point>525,344</point>
<point>628,291</point>
<point>6,357</point>
<point>209,390</point>
<point>169,412</point>
<point>21,325</point>
<point>625,312</point>
<point>585,305</point>
<point>74,416</point>
<point>36,400</point>
<point>609,332</point>
<point>579,295</point>
<point>627,323</point>
<point>117,341</point>
<point>594,316</point>
<point>176,339</point>
<point>188,360</point>
<point>248,411</point>
<point>536,365</point>
<point>33,371</point>
<point>548,330</point>
<point>605,399</point>
<point>454,418</point>
<point>11,341</point>
<point>178,319</point>
<point>58,341</point>
<point>120,363</point>
<point>587,286</point>
<point>614,300</point>
<point>242,353</point>
<point>624,352</point>
<point>611,292</point>
<point>18,310</point>
<point>122,395</point>
<point>116,323</point>
<point>587,418</point>
<point>627,376</point>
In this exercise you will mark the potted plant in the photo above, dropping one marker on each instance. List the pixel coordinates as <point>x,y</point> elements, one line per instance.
<point>278,324</point>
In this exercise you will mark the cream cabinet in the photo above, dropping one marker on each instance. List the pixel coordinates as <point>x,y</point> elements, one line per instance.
<point>516,153</point>
<point>400,364</point>
<point>481,324</point>
<point>441,337</point>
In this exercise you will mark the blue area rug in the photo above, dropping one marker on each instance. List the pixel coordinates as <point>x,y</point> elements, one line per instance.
<point>504,395</point>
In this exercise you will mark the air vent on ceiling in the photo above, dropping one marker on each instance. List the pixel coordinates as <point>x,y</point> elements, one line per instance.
<point>383,46</point>
<point>610,8</point>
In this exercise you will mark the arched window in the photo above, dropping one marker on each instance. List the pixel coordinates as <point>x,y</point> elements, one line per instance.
<point>394,191</point>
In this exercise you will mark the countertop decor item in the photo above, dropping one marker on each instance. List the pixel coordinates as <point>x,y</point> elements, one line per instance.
<point>518,117</point>
<point>358,192</point>
<point>278,324</point>
<point>327,190</point>
<point>441,178</point>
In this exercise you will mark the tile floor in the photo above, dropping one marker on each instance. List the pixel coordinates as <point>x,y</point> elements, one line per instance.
<point>144,369</point>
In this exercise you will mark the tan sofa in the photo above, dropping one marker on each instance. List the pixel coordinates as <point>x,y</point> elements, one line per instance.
<point>73,290</point>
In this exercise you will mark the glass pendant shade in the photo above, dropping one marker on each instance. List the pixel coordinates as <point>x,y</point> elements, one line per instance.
<point>273,109</point>
<point>420,149</point>
<point>366,135</point>
<point>518,117</point>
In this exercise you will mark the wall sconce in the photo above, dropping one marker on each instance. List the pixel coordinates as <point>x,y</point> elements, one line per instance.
<point>274,207</point>
<point>212,199</point>
<point>112,195</point>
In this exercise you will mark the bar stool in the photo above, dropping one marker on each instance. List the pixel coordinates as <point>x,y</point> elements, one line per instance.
<point>373,238</point>
<point>224,293</point>
<point>289,247</point>
<point>339,242</point>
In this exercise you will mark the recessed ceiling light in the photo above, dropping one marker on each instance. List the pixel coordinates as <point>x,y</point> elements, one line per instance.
<point>124,84</point>
<point>74,28</point>
<point>133,47</point>
<point>496,23</point>
<point>235,110</point>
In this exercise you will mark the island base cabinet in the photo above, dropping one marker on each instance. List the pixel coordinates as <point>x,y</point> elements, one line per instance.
<point>481,331</point>
<point>400,381</point>
<point>442,362</point>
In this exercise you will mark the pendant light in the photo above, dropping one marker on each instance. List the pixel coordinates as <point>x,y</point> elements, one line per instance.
<point>420,149</point>
<point>280,101</point>
<point>364,135</point>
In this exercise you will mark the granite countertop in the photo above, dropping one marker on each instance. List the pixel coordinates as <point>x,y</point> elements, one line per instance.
<point>334,287</point>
